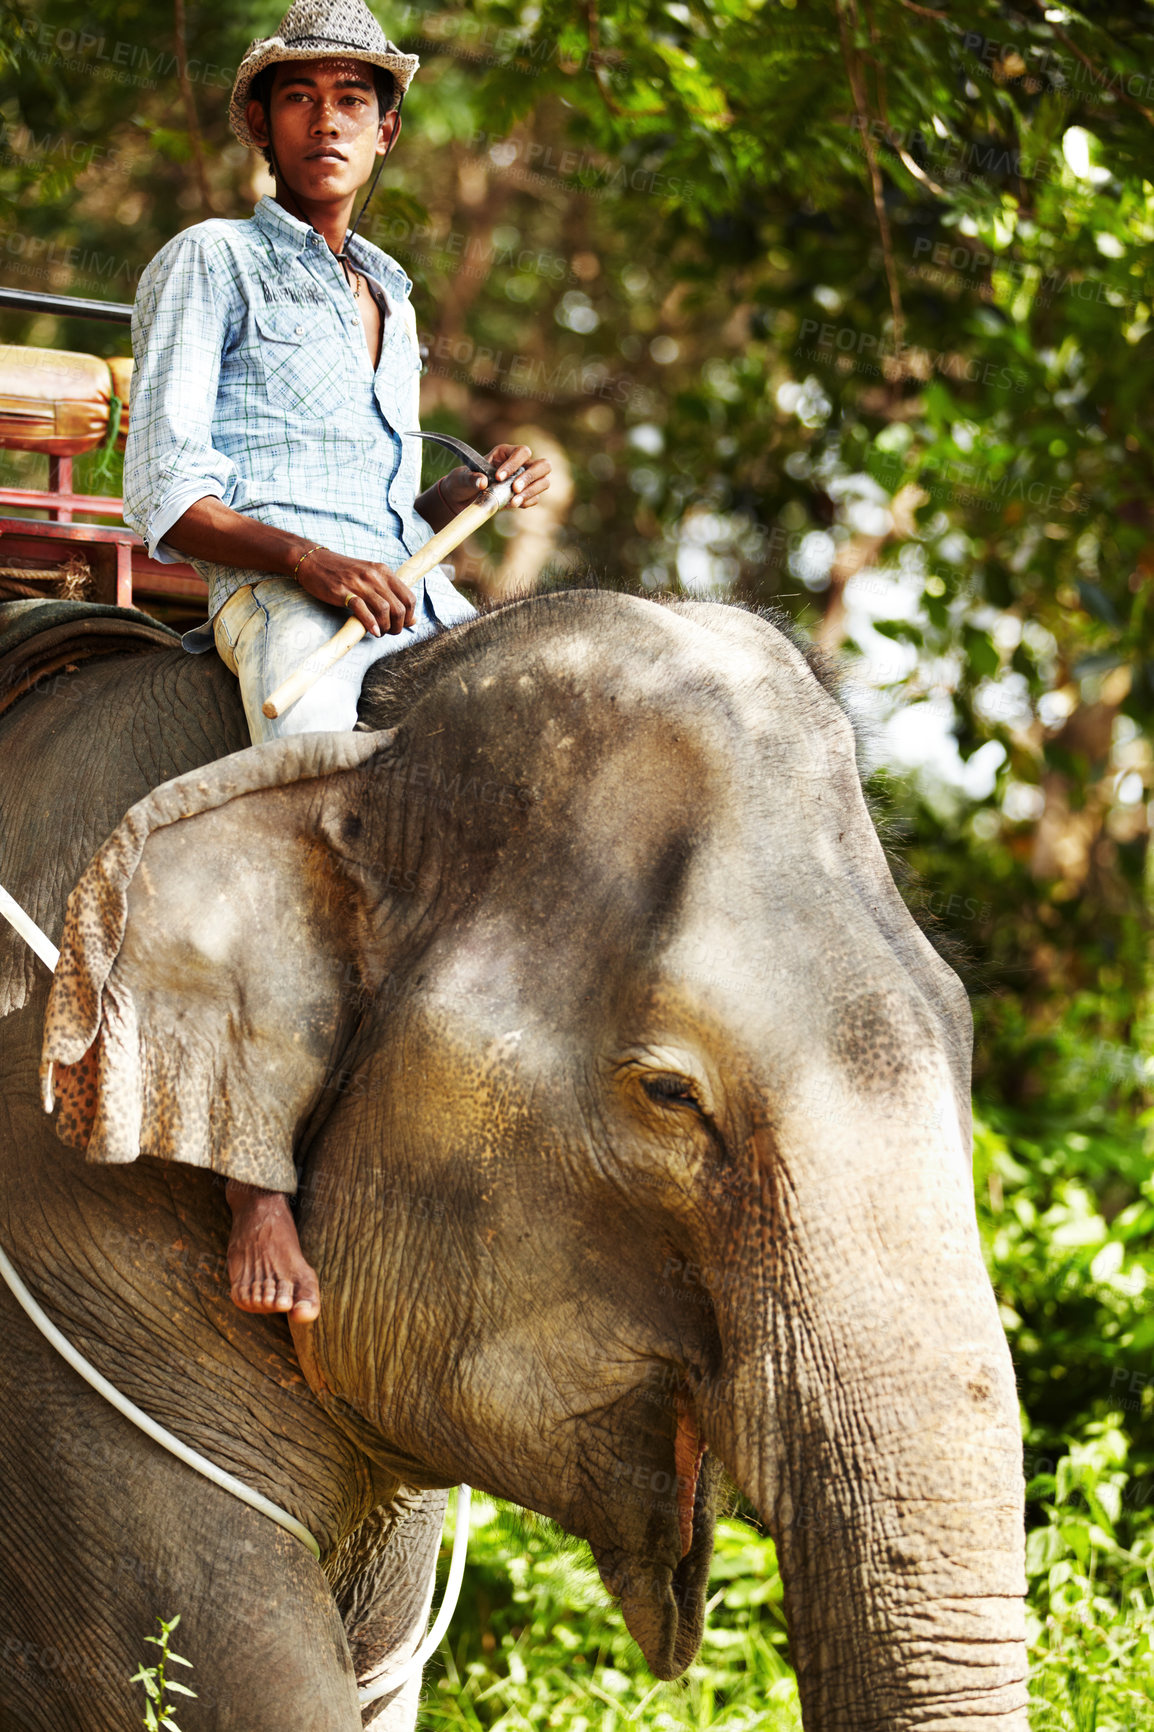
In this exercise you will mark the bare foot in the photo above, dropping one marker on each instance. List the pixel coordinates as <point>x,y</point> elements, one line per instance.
<point>265,1265</point>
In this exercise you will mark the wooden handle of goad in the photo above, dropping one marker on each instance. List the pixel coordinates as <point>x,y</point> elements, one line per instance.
<point>414,568</point>
<point>319,662</point>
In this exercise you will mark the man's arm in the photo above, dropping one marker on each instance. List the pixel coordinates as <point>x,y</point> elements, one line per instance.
<point>212,530</point>
<point>180,326</point>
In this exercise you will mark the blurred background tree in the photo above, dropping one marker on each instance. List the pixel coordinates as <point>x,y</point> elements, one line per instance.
<point>843,307</point>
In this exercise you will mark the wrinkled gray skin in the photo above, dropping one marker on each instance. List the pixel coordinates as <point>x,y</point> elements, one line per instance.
<point>643,1115</point>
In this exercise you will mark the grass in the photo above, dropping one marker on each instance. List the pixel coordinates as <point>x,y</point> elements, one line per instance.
<point>1091,1606</point>
<point>158,1686</point>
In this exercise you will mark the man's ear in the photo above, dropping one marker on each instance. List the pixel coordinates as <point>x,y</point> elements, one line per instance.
<point>212,953</point>
<point>387,134</point>
<point>257,120</point>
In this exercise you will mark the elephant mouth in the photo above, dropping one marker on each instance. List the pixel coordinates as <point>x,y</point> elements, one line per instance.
<point>688,1454</point>
<point>663,1604</point>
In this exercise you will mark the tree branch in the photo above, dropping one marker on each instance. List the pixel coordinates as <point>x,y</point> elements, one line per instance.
<point>861,105</point>
<point>189,101</point>
<point>607,96</point>
<point>1094,71</point>
<point>926,12</point>
<point>892,137</point>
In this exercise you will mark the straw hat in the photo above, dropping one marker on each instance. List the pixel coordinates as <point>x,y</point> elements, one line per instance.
<point>314,30</point>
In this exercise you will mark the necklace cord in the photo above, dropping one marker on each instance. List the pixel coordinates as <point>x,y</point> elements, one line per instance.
<point>381,161</point>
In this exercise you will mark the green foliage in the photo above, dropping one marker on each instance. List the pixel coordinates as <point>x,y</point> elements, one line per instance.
<point>1065,1193</point>
<point>1091,1612</point>
<point>158,1686</point>
<point>1069,1265</point>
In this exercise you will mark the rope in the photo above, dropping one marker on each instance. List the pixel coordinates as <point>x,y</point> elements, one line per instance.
<point>34,574</point>
<point>49,954</point>
<point>393,1680</point>
<point>74,577</point>
<point>141,1420</point>
<point>28,929</point>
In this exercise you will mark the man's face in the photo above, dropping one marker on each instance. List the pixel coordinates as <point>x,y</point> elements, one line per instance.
<point>325,126</point>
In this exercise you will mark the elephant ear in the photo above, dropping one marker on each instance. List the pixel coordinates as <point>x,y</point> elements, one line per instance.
<point>207,958</point>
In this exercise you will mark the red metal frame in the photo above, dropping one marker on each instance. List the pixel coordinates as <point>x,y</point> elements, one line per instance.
<point>121,568</point>
<point>58,499</point>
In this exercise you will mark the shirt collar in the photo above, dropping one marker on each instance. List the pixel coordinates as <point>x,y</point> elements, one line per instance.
<point>294,236</point>
<point>284,230</point>
<point>377,263</point>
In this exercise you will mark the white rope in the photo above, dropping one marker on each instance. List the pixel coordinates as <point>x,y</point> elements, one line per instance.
<point>149,1426</point>
<point>28,929</point>
<point>393,1680</point>
<point>47,951</point>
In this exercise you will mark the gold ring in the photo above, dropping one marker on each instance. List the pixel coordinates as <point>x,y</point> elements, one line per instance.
<point>349,598</point>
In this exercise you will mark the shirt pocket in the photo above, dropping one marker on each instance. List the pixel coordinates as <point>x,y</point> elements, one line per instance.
<point>302,361</point>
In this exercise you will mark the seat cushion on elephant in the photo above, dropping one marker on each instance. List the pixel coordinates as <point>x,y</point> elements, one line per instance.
<point>57,400</point>
<point>38,638</point>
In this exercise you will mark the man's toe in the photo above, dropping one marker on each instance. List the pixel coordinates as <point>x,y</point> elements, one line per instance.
<point>307,1308</point>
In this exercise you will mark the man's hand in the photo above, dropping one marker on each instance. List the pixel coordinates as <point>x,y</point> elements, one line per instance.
<point>371,593</point>
<point>461,486</point>
<point>212,530</point>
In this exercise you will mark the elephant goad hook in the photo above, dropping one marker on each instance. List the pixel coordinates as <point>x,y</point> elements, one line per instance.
<point>465,451</point>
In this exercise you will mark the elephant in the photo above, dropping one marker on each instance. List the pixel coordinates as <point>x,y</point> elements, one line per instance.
<point>630,1107</point>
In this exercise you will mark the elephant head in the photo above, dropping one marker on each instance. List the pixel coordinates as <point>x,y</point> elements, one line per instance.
<point>632,1109</point>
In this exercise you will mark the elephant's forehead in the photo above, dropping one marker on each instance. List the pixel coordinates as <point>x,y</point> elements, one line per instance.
<point>480,968</point>
<point>737,656</point>
<point>728,968</point>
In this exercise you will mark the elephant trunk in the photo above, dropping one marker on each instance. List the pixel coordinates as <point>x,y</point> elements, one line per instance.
<point>867,1408</point>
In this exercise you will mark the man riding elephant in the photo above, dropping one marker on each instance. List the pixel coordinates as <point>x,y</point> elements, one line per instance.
<point>633,1120</point>
<point>277,373</point>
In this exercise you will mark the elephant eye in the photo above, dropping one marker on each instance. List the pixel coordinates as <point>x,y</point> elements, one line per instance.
<point>668,1089</point>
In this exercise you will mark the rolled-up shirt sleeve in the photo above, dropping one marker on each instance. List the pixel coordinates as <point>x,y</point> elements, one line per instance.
<point>179,330</point>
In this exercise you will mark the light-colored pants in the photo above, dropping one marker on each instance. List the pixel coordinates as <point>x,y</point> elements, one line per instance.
<point>265,631</point>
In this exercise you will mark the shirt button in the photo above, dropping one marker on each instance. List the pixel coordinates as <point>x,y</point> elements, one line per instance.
<point>300,330</point>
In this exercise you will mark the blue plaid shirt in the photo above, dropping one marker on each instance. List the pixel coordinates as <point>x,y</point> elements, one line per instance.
<point>253,384</point>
